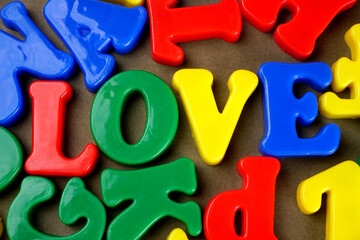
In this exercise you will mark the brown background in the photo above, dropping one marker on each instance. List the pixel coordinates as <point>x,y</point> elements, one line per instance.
<point>221,58</point>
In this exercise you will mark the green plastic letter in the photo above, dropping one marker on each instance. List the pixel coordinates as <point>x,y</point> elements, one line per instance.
<point>161,113</point>
<point>76,202</point>
<point>149,189</point>
<point>11,158</point>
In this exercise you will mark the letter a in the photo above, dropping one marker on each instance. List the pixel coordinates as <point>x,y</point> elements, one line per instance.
<point>90,28</point>
<point>35,56</point>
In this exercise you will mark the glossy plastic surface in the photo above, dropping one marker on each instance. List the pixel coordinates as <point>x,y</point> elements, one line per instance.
<point>129,3</point>
<point>211,129</point>
<point>221,20</point>
<point>49,111</point>
<point>341,184</point>
<point>76,202</point>
<point>255,201</point>
<point>149,190</point>
<point>90,28</point>
<point>346,75</point>
<point>282,110</point>
<point>11,158</point>
<point>162,117</point>
<point>177,234</point>
<point>36,56</point>
<point>298,36</point>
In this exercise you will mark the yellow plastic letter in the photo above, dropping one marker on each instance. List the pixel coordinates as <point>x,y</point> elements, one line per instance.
<point>341,183</point>
<point>177,234</point>
<point>211,129</point>
<point>129,3</point>
<point>346,75</point>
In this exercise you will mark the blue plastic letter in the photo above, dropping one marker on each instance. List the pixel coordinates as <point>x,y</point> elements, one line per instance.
<point>282,110</point>
<point>90,28</point>
<point>36,56</point>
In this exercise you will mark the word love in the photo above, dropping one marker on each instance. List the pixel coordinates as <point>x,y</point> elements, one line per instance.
<point>282,111</point>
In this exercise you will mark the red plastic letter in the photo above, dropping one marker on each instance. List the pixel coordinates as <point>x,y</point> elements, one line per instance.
<point>310,18</point>
<point>256,202</point>
<point>49,110</point>
<point>170,25</point>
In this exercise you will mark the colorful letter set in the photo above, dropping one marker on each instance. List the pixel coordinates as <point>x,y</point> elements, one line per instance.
<point>94,31</point>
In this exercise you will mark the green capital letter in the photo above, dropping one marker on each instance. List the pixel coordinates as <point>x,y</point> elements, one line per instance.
<point>149,189</point>
<point>162,117</point>
<point>76,202</point>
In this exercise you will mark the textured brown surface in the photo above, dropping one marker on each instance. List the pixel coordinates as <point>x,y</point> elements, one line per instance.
<point>221,58</point>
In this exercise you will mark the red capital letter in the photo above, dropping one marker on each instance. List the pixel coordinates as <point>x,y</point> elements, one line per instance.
<point>170,25</point>
<point>49,110</point>
<point>298,36</point>
<point>256,202</point>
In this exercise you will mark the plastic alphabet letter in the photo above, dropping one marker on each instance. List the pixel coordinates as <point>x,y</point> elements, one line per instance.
<point>298,36</point>
<point>76,202</point>
<point>149,190</point>
<point>341,183</point>
<point>129,3</point>
<point>36,56</point>
<point>211,129</point>
<point>90,28</point>
<point>221,20</point>
<point>282,110</point>
<point>11,158</point>
<point>177,234</point>
<point>49,111</point>
<point>256,202</point>
<point>346,74</point>
<point>161,112</point>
